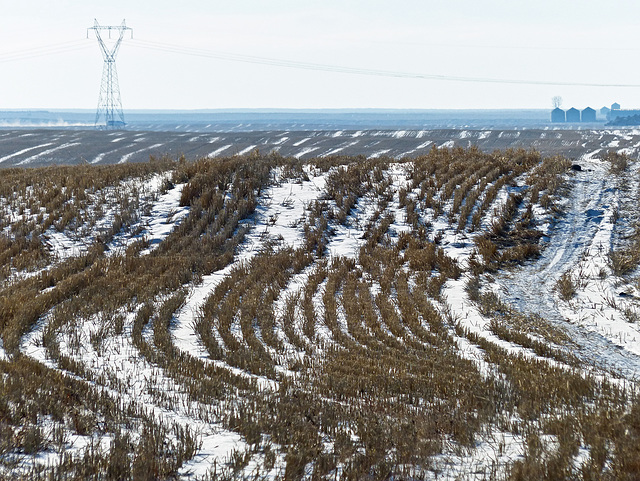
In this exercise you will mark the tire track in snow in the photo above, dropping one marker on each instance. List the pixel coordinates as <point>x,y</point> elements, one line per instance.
<point>530,288</point>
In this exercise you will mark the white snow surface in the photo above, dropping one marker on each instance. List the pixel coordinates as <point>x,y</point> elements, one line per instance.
<point>35,157</point>
<point>23,151</point>
<point>247,150</point>
<point>165,214</point>
<point>125,158</point>
<point>305,151</point>
<point>581,241</point>
<point>219,150</point>
<point>278,215</point>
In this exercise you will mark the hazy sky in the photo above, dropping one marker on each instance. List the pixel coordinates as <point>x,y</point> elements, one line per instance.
<point>46,61</point>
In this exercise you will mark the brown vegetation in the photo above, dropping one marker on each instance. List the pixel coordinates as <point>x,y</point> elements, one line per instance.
<point>369,384</point>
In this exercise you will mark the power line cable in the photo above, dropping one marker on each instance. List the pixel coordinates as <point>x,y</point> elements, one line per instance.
<point>479,46</point>
<point>35,52</point>
<point>275,62</point>
<point>71,46</point>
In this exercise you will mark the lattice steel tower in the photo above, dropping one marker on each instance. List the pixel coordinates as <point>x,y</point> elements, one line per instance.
<point>109,103</point>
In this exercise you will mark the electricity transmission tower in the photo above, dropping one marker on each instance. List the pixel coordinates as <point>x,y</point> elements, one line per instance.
<point>109,103</point>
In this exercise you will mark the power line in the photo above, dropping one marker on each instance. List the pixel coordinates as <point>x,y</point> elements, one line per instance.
<point>35,52</point>
<point>480,46</point>
<point>72,46</point>
<point>276,62</point>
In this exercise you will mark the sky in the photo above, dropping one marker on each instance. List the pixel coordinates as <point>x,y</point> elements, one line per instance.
<point>308,54</point>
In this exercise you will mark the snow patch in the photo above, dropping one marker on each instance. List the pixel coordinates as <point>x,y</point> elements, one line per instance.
<point>219,150</point>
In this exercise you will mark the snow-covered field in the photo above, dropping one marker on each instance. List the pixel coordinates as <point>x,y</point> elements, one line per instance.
<point>67,146</point>
<point>455,316</point>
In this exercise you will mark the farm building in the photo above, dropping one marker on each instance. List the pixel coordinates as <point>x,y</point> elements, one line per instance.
<point>619,113</point>
<point>573,115</point>
<point>618,116</point>
<point>588,115</point>
<point>558,115</point>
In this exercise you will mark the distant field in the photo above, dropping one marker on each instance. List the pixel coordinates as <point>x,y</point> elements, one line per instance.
<point>411,313</point>
<point>35,148</point>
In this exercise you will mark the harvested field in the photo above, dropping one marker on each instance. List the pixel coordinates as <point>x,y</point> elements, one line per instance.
<point>36,148</point>
<point>435,313</point>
